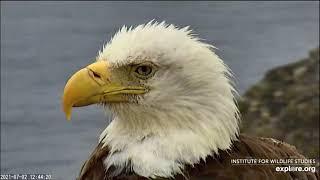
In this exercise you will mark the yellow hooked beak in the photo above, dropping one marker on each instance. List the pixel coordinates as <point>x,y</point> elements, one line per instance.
<point>92,85</point>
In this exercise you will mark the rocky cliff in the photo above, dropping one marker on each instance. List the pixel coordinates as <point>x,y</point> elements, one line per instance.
<point>285,105</point>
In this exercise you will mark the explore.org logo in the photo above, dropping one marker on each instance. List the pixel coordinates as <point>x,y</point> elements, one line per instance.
<point>296,169</point>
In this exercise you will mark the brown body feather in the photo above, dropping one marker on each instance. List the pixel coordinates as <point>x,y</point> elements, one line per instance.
<point>217,166</point>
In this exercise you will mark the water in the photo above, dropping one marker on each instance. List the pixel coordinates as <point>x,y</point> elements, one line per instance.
<point>43,43</point>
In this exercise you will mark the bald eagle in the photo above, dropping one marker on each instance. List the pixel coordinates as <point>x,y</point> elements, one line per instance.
<point>174,111</point>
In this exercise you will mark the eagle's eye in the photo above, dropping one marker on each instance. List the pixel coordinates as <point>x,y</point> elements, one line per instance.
<point>144,71</point>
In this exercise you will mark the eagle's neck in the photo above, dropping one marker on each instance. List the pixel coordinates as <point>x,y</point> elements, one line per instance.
<point>159,142</point>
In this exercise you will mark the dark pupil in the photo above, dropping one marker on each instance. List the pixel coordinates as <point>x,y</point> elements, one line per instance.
<point>144,70</point>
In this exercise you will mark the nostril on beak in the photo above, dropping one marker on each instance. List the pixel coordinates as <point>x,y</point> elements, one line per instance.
<point>96,75</point>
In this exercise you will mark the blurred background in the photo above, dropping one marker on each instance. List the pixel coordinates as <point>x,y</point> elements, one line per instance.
<point>43,43</point>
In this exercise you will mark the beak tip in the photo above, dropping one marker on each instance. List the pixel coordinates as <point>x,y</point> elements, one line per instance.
<point>67,112</point>
<point>68,116</point>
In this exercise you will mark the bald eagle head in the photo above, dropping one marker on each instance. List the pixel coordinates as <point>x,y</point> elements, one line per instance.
<point>171,97</point>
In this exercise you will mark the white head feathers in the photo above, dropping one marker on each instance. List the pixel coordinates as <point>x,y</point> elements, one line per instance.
<point>189,113</point>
